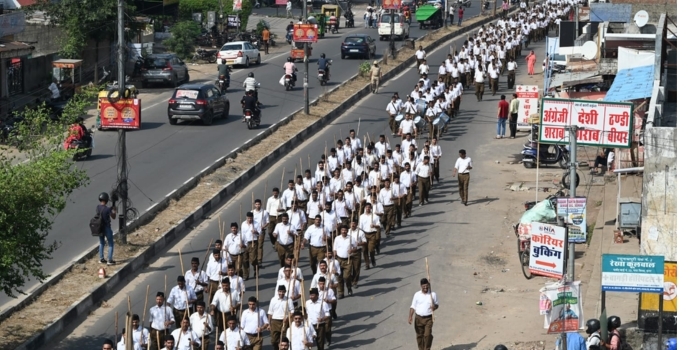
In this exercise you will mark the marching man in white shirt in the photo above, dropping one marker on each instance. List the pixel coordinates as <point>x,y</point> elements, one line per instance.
<point>370,225</point>
<point>181,298</point>
<point>253,322</point>
<point>435,154</point>
<point>393,109</point>
<point>140,334</point>
<point>185,339</point>
<point>318,313</point>
<point>224,303</point>
<point>423,305</point>
<point>161,318</point>
<point>202,324</point>
<point>279,311</point>
<point>233,337</point>
<point>420,58</point>
<point>301,336</point>
<point>196,279</point>
<point>462,167</point>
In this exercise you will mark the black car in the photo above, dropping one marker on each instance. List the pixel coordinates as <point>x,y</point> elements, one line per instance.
<point>360,45</point>
<point>197,102</point>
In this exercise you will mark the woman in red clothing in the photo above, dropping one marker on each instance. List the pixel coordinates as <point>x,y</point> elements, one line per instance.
<point>531,61</point>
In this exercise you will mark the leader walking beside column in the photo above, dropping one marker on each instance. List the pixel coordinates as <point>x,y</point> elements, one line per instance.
<point>423,304</point>
<point>461,170</point>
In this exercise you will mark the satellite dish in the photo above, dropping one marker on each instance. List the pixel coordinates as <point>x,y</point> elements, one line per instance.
<point>589,50</point>
<point>641,18</point>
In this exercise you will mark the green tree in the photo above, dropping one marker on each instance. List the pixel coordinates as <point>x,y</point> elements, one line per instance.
<point>183,39</point>
<point>34,192</point>
<point>80,21</point>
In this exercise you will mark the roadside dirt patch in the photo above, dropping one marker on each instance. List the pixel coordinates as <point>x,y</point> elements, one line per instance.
<point>23,324</point>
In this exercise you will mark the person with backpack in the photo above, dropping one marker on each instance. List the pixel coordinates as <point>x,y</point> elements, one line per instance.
<point>100,226</point>
<point>614,342</point>
<point>594,340</point>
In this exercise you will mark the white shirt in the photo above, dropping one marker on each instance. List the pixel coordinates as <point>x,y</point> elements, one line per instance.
<point>332,266</point>
<point>198,326</point>
<point>140,338</point>
<point>55,92</point>
<point>297,220</point>
<point>233,244</point>
<point>422,303</point>
<point>423,170</point>
<point>392,108</point>
<point>385,197</point>
<point>180,298</point>
<point>423,69</point>
<point>184,342</point>
<point>250,320</point>
<point>342,245</point>
<point>280,308</point>
<point>330,279</point>
<point>292,287</point>
<point>299,335</point>
<point>250,232</point>
<point>420,54</point>
<point>313,207</point>
<point>406,144</point>
<point>272,206</point>
<point>192,278</point>
<point>261,217</point>
<point>366,220</point>
<point>407,126</point>
<point>357,237</point>
<point>234,337</point>
<point>479,76</point>
<point>511,66</point>
<point>216,268</point>
<point>225,302</point>
<point>159,314</point>
<point>462,165</point>
<point>297,274</point>
<point>407,178</point>
<point>315,310</point>
<point>317,236</point>
<point>381,148</point>
<point>284,236</point>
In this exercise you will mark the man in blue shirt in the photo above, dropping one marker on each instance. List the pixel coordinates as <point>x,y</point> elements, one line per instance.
<point>324,64</point>
<point>574,341</point>
<point>106,214</point>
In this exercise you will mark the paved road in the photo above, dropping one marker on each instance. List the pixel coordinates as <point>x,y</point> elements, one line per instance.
<point>377,312</point>
<point>163,156</point>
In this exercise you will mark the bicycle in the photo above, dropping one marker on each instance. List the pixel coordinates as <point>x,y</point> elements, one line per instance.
<point>523,247</point>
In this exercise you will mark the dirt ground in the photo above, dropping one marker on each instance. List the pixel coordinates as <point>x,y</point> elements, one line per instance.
<point>21,326</point>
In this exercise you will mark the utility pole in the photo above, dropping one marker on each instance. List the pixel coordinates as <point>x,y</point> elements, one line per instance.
<point>446,8</point>
<point>392,49</point>
<point>306,62</point>
<point>573,171</point>
<point>577,21</point>
<point>123,166</point>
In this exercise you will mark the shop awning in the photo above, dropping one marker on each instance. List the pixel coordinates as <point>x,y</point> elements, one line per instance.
<point>632,84</point>
<point>15,49</point>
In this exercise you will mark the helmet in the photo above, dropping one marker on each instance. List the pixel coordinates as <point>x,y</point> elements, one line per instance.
<point>251,75</point>
<point>103,197</point>
<point>323,55</point>
<point>79,120</point>
<point>289,59</point>
<point>592,325</point>
<point>224,61</point>
<point>671,344</point>
<point>614,322</point>
<point>500,347</point>
<point>375,62</point>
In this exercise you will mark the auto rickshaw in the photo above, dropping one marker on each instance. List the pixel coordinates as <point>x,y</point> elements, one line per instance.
<point>320,20</point>
<point>68,73</point>
<point>298,52</point>
<point>429,16</point>
<point>131,92</point>
<point>335,10</point>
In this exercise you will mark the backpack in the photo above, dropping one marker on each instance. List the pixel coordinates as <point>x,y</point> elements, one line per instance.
<point>96,223</point>
<point>622,345</point>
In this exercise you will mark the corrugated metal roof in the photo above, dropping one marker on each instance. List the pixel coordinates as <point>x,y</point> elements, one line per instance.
<point>631,84</point>
<point>603,12</point>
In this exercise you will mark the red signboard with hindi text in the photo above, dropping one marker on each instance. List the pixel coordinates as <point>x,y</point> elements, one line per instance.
<point>391,4</point>
<point>528,95</point>
<point>604,124</point>
<point>122,114</point>
<point>305,33</point>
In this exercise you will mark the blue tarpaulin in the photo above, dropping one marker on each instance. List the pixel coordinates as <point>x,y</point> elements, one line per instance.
<point>617,13</point>
<point>631,84</point>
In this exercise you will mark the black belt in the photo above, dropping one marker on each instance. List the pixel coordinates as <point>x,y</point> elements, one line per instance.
<point>252,334</point>
<point>340,258</point>
<point>387,206</point>
<point>430,316</point>
<point>320,247</point>
<point>463,173</point>
<point>423,177</point>
<point>285,245</point>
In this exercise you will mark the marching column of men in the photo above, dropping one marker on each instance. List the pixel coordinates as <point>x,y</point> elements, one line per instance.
<point>338,212</point>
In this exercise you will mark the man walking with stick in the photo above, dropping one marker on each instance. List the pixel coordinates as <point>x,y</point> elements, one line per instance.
<point>462,167</point>
<point>423,304</point>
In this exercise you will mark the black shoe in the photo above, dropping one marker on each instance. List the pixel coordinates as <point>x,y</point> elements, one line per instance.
<point>372,259</point>
<point>465,204</point>
<point>111,262</point>
<point>377,250</point>
<point>350,292</point>
<point>341,296</point>
<point>103,261</point>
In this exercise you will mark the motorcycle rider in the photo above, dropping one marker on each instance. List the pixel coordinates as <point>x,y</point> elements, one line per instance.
<point>333,22</point>
<point>290,68</point>
<point>55,91</point>
<point>324,64</point>
<point>250,84</point>
<point>250,102</point>
<point>77,132</point>
<point>224,70</point>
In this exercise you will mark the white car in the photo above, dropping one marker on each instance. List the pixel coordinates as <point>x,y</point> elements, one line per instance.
<point>401,27</point>
<point>239,53</point>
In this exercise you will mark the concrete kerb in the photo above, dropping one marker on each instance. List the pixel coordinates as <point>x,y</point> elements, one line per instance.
<point>99,293</point>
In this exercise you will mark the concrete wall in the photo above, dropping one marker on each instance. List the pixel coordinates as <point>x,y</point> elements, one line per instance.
<point>659,213</point>
<point>45,38</point>
<point>654,7</point>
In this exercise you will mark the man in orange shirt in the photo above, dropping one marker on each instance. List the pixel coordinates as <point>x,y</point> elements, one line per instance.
<point>266,37</point>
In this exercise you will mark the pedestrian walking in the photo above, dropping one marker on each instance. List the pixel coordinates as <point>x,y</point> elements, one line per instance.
<point>531,61</point>
<point>375,76</point>
<point>424,172</point>
<point>106,233</point>
<point>503,111</point>
<point>423,304</point>
<point>253,322</point>
<point>511,68</point>
<point>451,14</point>
<point>461,170</point>
<point>460,13</point>
<point>514,109</point>
<point>479,77</point>
<point>161,318</point>
<point>288,10</point>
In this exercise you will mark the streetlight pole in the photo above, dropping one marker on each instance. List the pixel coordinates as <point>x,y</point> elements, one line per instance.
<point>123,163</point>
<point>306,62</point>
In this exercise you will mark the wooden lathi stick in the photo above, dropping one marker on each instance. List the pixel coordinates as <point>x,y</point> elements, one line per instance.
<point>430,287</point>
<point>147,291</point>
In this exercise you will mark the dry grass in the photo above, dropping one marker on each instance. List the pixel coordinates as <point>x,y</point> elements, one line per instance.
<point>83,278</point>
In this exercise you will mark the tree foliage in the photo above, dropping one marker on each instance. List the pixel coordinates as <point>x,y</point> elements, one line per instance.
<point>33,192</point>
<point>183,39</point>
<point>80,21</point>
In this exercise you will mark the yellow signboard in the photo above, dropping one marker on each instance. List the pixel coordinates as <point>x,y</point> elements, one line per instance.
<point>650,302</point>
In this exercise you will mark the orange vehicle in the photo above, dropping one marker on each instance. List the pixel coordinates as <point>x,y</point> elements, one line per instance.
<point>298,52</point>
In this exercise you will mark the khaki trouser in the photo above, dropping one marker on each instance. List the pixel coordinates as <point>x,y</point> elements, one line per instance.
<point>479,91</point>
<point>212,288</point>
<point>423,189</point>
<point>388,218</point>
<point>251,254</point>
<point>436,168</point>
<point>344,279</point>
<point>276,329</point>
<point>355,261</point>
<point>468,79</point>
<point>259,247</point>
<point>272,222</point>
<point>371,238</point>
<point>157,337</point>
<point>320,329</point>
<point>179,315</point>
<point>424,332</point>
<point>205,341</point>
<point>398,211</point>
<point>283,251</point>
<point>408,204</point>
<point>256,341</point>
<point>511,79</point>
<point>316,254</point>
<point>392,124</point>
<point>463,180</point>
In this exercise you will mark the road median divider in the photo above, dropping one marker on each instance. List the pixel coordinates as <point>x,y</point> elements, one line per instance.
<point>141,249</point>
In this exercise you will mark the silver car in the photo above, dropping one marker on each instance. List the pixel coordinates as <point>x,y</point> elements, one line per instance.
<point>164,68</point>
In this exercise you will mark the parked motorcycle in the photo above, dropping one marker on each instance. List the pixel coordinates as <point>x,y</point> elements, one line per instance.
<point>549,155</point>
<point>486,5</point>
<point>209,56</point>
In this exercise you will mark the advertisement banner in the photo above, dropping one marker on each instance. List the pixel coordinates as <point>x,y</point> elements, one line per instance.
<point>281,2</point>
<point>650,301</point>
<point>123,114</point>
<point>601,124</point>
<point>547,250</point>
<point>305,33</point>
<point>562,307</point>
<point>529,104</point>
<point>633,273</point>
<point>391,4</point>
<point>233,21</point>
<point>574,210</point>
